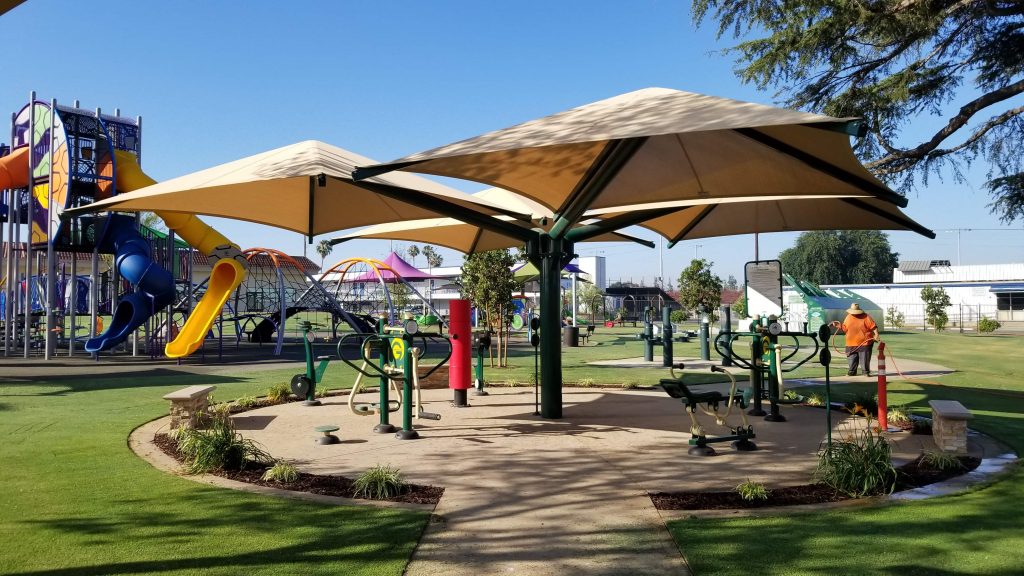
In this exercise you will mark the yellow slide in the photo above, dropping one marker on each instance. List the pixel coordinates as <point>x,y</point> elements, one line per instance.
<point>228,272</point>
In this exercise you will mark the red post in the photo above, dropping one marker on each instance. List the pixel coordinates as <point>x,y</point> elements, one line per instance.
<point>883,415</point>
<point>461,363</point>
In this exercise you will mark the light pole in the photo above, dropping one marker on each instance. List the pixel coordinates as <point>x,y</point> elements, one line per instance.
<point>695,248</point>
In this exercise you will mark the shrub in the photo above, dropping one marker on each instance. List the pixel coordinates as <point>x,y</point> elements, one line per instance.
<point>894,318</point>
<point>630,385</point>
<point>859,465</point>
<point>278,393</point>
<point>865,403</point>
<point>751,491</point>
<point>941,460</point>
<point>379,483</point>
<point>899,416</point>
<point>921,426</point>
<point>282,472</point>
<point>247,402</point>
<point>988,325</point>
<point>679,316</point>
<point>814,399</point>
<point>219,447</point>
<point>586,383</point>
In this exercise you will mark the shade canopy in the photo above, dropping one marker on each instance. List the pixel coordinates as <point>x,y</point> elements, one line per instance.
<point>722,218</point>
<point>305,187</point>
<point>658,145</point>
<point>470,238</point>
<point>397,269</point>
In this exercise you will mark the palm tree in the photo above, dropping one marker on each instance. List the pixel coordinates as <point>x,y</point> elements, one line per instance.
<point>413,251</point>
<point>434,260</point>
<point>324,249</point>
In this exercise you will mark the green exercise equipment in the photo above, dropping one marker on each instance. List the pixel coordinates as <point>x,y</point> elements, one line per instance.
<point>709,402</point>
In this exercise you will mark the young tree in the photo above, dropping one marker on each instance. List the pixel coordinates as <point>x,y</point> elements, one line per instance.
<point>413,251</point>
<point>400,296</point>
<point>487,281</point>
<point>900,65</point>
<point>841,257</point>
<point>699,288</point>
<point>935,303</point>
<point>324,249</point>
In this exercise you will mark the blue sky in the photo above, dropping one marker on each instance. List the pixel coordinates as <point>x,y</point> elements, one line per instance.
<point>216,81</point>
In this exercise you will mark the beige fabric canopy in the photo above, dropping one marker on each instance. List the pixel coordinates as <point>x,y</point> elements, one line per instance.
<point>469,238</point>
<point>718,218</point>
<point>284,188</point>
<point>685,146</point>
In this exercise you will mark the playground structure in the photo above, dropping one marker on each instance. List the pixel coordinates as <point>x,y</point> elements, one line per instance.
<point>65,157</point>
<point>276,288</point>
<point>367,289</point>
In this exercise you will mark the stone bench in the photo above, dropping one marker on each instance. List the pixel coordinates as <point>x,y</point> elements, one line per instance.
<point>189,405</point>
<point>949,425</point>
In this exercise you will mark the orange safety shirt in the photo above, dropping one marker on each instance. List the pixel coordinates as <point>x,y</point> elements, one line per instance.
<point>858,329</point>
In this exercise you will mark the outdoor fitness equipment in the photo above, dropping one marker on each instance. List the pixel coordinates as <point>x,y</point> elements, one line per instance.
<point>482,342</point>
<point>304,385</point>
<point>397,359</point>
<point>765,362</point>
<point>708,403</point>
<point>664,340</point>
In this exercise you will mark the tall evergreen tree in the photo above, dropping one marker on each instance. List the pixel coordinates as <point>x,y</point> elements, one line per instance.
<point>937,82</point>
<point>841,257</point>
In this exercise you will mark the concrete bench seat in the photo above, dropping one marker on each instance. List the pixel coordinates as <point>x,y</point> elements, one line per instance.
<point>949,425</point>
<point>189,405</point>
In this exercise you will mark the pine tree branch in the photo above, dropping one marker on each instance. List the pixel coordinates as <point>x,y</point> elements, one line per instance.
<point>899,157</point>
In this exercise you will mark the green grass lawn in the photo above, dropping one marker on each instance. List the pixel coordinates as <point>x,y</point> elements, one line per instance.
<point>75,500</point>
<point>980,532</point>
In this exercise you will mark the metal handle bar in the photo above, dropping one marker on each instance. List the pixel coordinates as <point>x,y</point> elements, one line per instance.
<point>434,336</point>
<point>364,346</point>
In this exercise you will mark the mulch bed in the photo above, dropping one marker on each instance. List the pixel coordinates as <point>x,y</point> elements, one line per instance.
<point>912,475</point>
<point>312,483</point>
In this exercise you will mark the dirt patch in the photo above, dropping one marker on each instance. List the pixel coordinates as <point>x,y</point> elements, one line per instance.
<point>912,475</point>
<point>326,485</point>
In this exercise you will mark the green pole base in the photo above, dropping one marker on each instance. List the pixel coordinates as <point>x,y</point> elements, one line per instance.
<point>407,435</point>
<point>384,429</point>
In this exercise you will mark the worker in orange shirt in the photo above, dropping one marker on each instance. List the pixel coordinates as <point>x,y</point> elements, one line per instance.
<point>861,333</point>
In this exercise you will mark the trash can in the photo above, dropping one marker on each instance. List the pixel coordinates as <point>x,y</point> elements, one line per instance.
<point>571,336</point>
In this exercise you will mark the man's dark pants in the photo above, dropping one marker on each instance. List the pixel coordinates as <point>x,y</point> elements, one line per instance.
<point>859,355</point>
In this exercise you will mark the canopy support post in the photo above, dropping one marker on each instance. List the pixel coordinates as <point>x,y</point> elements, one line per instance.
<point>550,255</point>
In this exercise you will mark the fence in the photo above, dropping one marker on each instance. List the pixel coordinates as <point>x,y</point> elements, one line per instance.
<point>962,317</point>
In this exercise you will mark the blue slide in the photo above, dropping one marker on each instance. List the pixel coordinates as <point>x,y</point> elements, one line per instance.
<point>154,285</point>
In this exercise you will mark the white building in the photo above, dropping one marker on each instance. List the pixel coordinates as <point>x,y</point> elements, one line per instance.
<point>992,291</point>
<point>594,267</point>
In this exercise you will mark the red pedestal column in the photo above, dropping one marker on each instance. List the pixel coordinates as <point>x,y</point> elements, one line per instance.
<point>460,366</point>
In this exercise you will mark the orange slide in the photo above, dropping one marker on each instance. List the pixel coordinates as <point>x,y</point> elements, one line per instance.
<point>14,169</point>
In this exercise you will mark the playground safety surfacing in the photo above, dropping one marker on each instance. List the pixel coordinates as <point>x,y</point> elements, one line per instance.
<point>525,495</point>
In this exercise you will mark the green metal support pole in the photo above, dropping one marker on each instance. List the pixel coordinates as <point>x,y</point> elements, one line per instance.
<point>384,426</point>
<point>548,254</point>
<point>666,337</point>
<point>407,432</point>
<point>756,363</point>
<point>773,383</point>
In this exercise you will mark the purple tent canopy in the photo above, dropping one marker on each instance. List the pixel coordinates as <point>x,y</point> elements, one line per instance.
<point>401,267</point>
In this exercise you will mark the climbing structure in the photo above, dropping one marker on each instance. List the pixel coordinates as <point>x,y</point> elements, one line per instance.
<point>277,287</point>
<point>367,289</point>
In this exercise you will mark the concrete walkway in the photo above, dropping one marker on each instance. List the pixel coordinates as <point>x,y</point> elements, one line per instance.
<point>529,496</point>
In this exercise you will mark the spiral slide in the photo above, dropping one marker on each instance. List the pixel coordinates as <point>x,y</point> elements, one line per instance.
<point>228,272</point>
<point>155,286</point>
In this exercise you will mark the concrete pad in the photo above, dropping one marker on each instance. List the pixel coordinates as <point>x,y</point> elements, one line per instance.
<point>531,496</point>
